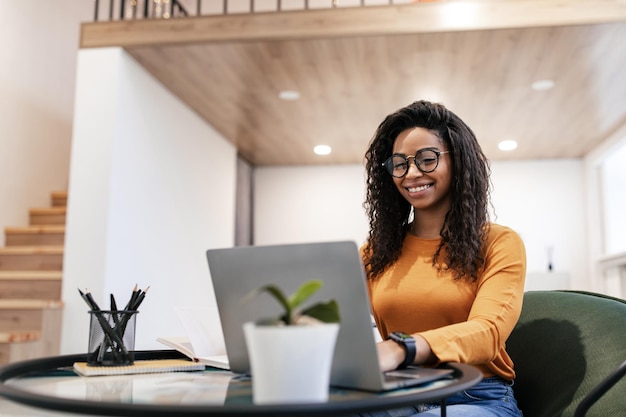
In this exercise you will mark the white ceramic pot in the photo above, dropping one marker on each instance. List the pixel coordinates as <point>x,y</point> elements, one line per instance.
<point>290,364</point>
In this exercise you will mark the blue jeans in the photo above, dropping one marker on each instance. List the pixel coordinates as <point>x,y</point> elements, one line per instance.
<point>492,397</point>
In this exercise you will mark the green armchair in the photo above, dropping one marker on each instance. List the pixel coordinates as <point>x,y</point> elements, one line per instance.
<point>569,350</point>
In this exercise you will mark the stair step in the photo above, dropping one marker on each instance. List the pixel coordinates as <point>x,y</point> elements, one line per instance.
<point>26,315</point>
<point>31,276</point>
<point>31,258</point>
<point>19,336</point>
<point>30,317</point>
<point>35,235</point>
<point>37,285</point>
<point>29,304</point>
<point>48,215</point>
<point>31,272</point>
<point>20,345</point>
<point>59,198</point>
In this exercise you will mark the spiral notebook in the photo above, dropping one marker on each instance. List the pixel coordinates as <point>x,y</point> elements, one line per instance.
<point>139,367</point>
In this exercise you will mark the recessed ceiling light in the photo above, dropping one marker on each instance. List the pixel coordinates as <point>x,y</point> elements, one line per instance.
<point>460,14</point>
<point>322,149</point>
<point>507,145</point>
<point>289,95</point>
<point>542,85</point>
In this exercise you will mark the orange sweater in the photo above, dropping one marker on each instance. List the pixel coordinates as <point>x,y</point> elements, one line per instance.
<point>467,322</point>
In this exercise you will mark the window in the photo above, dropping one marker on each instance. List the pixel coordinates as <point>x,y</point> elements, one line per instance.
<point>613,177</point>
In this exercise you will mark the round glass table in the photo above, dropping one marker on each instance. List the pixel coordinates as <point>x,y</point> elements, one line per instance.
<point>51,384</point>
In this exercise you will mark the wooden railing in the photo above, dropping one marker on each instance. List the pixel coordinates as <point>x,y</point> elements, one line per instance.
<point>164,9</point>
<point>138,9</point>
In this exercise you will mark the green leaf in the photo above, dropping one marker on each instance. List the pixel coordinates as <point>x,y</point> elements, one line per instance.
<point>282,300</point>
<point>327,312</point>
<point>303,293</point>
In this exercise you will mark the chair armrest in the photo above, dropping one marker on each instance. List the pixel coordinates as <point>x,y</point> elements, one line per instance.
<point>599,390</point>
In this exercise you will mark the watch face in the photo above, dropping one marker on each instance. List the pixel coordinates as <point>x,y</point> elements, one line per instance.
<point>401,336</point>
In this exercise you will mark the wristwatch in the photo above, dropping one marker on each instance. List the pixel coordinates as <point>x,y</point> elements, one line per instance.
<point>408,342</point>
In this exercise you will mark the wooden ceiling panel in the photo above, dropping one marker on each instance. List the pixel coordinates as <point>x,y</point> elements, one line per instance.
<point>352,67</point>
<point>349,84</point>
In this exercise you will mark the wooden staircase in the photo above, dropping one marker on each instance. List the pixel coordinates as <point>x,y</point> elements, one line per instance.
<point>31,271</point>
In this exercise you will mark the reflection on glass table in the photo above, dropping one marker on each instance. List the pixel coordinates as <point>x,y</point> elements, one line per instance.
<point>50,384</point>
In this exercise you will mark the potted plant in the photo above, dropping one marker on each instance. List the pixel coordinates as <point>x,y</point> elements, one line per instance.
<point>291,354</point>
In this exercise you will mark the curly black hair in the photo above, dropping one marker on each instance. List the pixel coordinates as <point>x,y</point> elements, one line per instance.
<point>465,226</point>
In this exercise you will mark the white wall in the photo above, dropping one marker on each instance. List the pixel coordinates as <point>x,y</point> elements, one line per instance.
<point>300,204</point>
<point>542,200</point>
<point>152,187</point>
<point>37,75</point>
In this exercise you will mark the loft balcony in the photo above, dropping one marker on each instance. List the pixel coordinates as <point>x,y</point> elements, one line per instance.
<point>351,63</point>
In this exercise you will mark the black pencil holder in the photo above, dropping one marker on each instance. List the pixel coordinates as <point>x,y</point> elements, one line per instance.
<point>111,338</point>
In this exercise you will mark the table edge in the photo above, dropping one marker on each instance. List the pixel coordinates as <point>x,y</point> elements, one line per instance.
<point>468,376</point>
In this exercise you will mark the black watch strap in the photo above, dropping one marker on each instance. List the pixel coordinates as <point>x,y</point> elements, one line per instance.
<point>408,342</point>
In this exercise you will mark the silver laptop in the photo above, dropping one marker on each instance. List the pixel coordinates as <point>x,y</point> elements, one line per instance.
<point>236,272</point>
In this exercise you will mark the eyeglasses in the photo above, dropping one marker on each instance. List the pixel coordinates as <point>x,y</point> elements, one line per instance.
<point>426,160</point>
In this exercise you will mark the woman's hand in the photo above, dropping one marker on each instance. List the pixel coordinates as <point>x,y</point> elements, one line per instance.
<point>391,354</point>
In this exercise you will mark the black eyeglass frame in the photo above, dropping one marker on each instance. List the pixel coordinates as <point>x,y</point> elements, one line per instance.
<point>388,164</point>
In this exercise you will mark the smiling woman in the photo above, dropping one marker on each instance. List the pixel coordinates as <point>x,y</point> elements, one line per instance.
<point>438,271</point>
